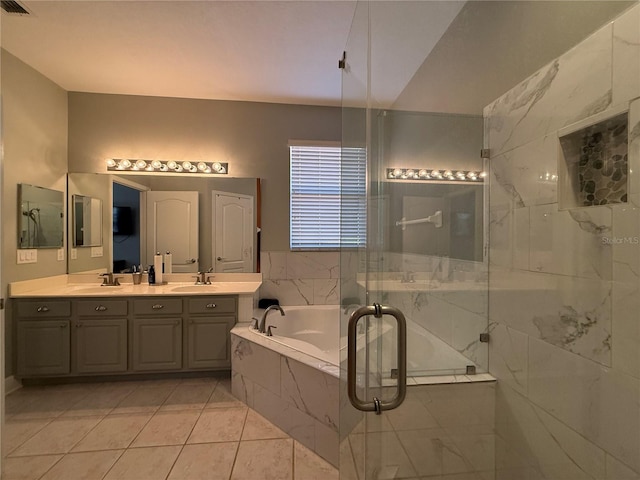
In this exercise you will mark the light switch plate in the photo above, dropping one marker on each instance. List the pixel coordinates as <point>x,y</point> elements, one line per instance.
<point>96,251</point>
<point>60,254</point>
<point>74,254</point>
<point>27,256</point>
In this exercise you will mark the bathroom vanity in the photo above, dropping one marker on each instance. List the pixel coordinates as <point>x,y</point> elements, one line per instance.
<point>72,330</point>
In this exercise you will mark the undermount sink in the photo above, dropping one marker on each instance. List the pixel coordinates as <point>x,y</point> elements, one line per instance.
<point>195,288</point>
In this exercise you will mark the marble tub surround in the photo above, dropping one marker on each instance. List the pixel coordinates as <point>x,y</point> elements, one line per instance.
<point>301,278</point>
<point>301,400</point>
<point>564,282</point>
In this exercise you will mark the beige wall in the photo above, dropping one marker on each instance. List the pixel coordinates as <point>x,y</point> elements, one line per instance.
<point>252,137</point>
<point>34,112</point>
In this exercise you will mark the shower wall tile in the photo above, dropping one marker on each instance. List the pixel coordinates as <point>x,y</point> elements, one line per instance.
<point>571,242</point>
<point>626,56</point>
<point>258,364</point>
<point>468,295</point>
<point>625,341</point>
<point>600,404</point>
<point>624,241</point>
<point>616,470</point>
<point>521,238</point>
<point>551,99</point>
<point>500,237</point>
<point>529,173</point>
<point>531,437</point>
<point>326,292</point>
<point>569,312</point>
<point>288,292</point>
<point>634,150</point>
<point>466,337</point>
<point>508,352</point>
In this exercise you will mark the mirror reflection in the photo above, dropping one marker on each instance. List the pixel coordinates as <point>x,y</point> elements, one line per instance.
<point>199,220</point>
<point>41,216</point>
<point>87,221</point>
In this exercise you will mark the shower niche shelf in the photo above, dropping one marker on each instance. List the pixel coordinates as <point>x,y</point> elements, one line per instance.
<point>593,162</point>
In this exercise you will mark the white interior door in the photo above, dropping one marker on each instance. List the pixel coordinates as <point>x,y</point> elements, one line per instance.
<point>233,232</point>
<point>172,226</point>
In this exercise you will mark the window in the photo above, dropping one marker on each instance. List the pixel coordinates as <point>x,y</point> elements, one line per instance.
<point>328,197</point>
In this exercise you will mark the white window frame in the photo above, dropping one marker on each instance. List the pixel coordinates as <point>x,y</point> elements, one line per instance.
<point>327,201</point>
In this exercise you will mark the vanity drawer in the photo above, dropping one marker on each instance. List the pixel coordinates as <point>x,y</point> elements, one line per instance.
<point>212,305</point>
<point>101,308</point>
<point>157,306</point>
<point>44,308</point>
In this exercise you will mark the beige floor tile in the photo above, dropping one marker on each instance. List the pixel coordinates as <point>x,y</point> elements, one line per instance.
<point>189,397</point>
<point>144,399</point>
<point>222,397</point>
<point>40,402</point>
<point>201,381</point>
<point>27,468</point>
<point>151,463</point>
<point>101,400</point>
<point>167,428</point>
<point>219,425</point>
<point>16,432</point>
<point>257,427</point>
<point>113,432</point>
<point>264,460</point>
<point>210,461</point>
<point>59,436</point>
<point>309,466</point>
<point>83,466</point>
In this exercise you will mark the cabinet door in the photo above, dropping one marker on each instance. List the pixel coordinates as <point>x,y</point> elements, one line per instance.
<point>157,344</point>
<point>43,347</point>
<point>208,343</point>
<point>101,345</point>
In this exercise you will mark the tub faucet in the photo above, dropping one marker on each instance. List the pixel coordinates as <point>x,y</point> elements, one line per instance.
<point>263,319</point>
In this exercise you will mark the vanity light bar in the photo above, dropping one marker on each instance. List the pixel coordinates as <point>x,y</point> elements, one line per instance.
<point>435,175</point>
<point>171,166</point>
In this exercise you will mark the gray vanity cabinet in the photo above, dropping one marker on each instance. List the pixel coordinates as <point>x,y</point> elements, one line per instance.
<point>100,336</point>
<point>43,337</point>
<point>208,324</point>
<point>157,334</point>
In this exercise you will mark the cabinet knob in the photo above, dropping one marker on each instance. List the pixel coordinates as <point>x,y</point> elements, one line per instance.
<point>63,325</point>
<point>211,305</point>
<point>78,325</point>
<point>43,309</point>
<point>101,308</point>
<point>158,306</point>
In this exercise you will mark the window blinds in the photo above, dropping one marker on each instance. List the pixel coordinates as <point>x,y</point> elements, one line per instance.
<point>327,197</point>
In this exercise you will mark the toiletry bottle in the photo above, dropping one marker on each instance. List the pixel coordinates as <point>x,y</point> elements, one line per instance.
<point>168,262</point>
<point>157,266</point>
<point>152,275</point>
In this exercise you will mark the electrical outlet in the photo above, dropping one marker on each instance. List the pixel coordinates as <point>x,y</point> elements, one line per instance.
<point>74,254</point>
<point>60,254</point>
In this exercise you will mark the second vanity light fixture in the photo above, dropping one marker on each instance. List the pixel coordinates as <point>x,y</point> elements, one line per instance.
<point>166,166</point>
<point>435,175</point>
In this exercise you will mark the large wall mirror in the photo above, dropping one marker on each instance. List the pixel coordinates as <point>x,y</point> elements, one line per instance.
<point>205,222</point>
<point>41,217</point>
<point>87,221</point>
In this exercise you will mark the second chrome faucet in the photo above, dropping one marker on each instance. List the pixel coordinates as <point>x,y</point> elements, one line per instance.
<point>261,323</point>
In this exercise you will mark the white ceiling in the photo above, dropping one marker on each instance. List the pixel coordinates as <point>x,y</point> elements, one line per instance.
<point>287,51</point>
<point>266,51</point>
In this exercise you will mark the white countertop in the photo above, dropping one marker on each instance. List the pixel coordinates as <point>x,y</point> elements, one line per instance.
<point>89,286</point>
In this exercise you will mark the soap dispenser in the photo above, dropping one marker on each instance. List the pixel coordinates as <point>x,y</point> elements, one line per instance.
<point>152,275</point>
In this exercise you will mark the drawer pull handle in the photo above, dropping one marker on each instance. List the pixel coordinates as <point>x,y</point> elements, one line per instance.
<point>211,305</point>
<point>158,306</point>
<point>101,308</point>
<point>44,309</point>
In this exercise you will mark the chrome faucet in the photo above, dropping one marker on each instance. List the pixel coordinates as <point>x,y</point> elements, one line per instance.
<point>109,280</point>
<point>263,319</point>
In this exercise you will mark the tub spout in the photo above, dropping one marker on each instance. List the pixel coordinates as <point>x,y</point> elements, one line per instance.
<point>263,319</point>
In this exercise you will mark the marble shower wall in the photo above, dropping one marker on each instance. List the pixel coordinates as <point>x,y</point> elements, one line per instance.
<point>301,278</point>
<point>564,284</point>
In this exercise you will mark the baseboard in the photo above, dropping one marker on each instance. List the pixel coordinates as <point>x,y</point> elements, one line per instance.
<point>11,385</point>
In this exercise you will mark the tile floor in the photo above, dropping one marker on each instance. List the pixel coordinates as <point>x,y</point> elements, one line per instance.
<point>157,429</point>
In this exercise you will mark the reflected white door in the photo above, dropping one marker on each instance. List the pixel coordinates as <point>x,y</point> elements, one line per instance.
<point>172,226</point>
<point>233,232</point>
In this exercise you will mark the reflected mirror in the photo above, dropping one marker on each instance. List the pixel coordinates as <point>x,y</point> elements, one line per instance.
<point>41,217</point>
<point>132,208</point>
<point>87,221</point>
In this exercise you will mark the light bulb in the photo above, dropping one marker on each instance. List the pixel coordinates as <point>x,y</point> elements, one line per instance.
<point>410,173</point>
<point>178,168</point>
<point>448,173</point>
<point>141,164</point>
<point>397,172</point>
<point>172,165</point>
<point>111,163</point>
<point>436,174</point>
<point>482,174</point>
<point>192,169</point>
<point>460,175</point>
<point>202,166</point>
<point>186,165</point>
<point>217,167</point>
<point>423,173</point>
<point>157,164</point>
<point>125,163</point>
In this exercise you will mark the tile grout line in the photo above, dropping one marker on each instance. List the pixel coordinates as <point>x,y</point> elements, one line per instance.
<point>235,457</point>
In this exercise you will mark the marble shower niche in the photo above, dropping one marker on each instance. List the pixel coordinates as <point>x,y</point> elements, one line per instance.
<point>593,163</point>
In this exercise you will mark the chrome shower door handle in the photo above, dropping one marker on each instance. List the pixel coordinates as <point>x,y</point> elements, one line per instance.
<point>376,405</point>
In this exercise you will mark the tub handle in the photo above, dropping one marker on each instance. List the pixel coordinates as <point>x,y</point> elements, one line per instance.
<point>269,334</point>
<point>376,405</point>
